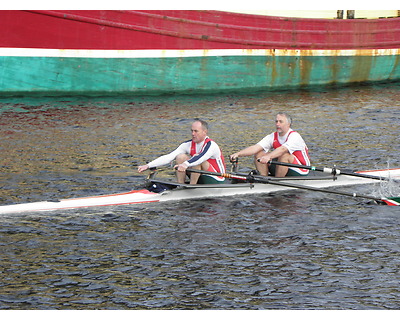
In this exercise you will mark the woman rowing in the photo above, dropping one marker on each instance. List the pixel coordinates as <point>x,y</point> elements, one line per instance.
<point>285,145</point>
<point>200,153</point>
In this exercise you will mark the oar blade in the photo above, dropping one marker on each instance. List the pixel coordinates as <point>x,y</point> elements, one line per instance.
<point>393,201</point>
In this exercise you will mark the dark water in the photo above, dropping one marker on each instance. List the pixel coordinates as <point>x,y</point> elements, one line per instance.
<point>298,250</point>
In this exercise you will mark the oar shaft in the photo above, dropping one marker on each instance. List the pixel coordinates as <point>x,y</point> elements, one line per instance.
<point>334,171</point>
<point>251,178</point>
<point>219,174</point>
<point>309,188</point>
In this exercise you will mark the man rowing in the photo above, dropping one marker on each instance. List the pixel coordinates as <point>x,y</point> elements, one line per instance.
<point>284,145</point>
<point>199,153</point>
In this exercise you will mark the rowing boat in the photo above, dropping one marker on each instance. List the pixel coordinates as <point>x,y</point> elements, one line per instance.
<point>237,184</point>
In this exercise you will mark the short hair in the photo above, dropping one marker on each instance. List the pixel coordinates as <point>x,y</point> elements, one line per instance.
<point>288,117</point>
<point>204,124</point>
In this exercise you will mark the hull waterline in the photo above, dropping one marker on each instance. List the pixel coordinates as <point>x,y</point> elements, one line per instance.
<point>191,192</point>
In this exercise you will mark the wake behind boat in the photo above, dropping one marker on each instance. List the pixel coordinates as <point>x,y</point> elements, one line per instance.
<point>237,184</point>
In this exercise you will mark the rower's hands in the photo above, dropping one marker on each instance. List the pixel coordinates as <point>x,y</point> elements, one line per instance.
<point>234,156</point>
<point>181,167</point>
<point>264,159</point>
<point>143,168</point>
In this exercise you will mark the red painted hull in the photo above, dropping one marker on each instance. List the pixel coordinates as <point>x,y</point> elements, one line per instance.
<point>183,30</point>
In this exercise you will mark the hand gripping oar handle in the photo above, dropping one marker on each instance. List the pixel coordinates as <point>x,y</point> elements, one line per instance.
<point>250,178</point>
<point>333,171</point>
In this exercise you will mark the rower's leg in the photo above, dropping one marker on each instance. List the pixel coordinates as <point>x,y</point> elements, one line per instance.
<point>180,158</point>
<point>261,167</point>
<point>281,171</point>
<point>194,177</point>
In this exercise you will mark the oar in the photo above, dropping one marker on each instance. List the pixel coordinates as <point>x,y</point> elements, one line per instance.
<point>395,201</point>
<point>333,171</point>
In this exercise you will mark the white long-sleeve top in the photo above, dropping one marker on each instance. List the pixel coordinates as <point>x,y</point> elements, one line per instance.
<point>205,150</point>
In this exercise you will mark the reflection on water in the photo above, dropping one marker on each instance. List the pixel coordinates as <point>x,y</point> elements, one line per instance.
<point>299,250</point>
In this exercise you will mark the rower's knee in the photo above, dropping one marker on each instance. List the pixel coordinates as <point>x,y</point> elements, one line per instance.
<point>261,167</point>
<point>286,157</point>
<point>259,154</point>
<point>181,158</point>
<point>205,165</point>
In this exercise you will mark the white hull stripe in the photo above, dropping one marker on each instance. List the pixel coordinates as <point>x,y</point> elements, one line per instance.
<point>71,53</point>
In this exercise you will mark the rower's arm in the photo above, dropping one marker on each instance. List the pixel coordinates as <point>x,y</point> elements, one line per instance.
<point>273,154</point>
<point>249,151</point>
<point>278,152</point>
<point>167,158</point>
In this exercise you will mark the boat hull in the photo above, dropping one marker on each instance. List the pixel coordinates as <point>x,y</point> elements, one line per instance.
<point>144,196</point>
<point>192,72</point>
<point>159,52</point>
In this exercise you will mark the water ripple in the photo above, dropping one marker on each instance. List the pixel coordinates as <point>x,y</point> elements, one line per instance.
<point>297,250</point>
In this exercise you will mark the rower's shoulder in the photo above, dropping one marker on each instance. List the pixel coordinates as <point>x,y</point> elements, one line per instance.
<point>293,133</point>
<point>186,142</point>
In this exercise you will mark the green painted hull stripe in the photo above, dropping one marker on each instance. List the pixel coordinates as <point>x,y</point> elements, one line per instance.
<point>189,74</point>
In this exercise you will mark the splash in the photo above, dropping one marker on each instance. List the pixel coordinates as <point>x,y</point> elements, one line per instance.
<point>390,187</point>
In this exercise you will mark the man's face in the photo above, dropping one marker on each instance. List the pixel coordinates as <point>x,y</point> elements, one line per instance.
<point>198,133</point>
<point>282,125</point>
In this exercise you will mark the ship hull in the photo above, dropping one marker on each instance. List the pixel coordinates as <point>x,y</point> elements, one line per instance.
<point>95,52</point>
